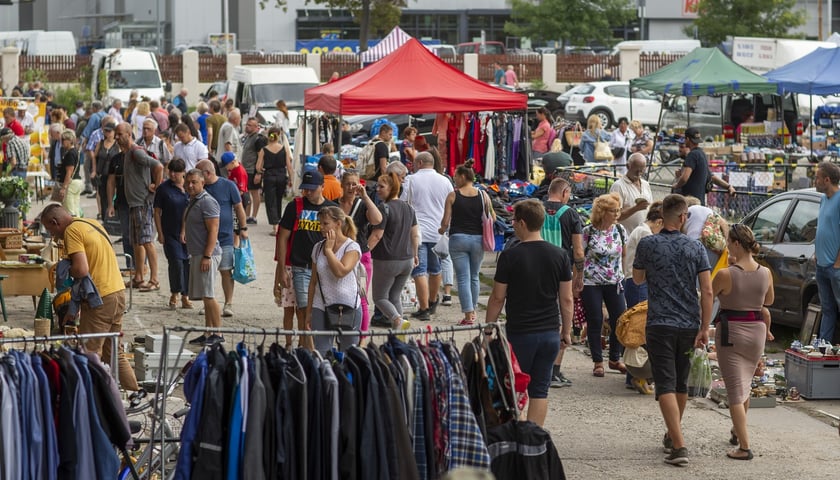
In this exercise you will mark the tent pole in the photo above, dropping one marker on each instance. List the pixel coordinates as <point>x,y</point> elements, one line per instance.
<point>658,127</point>
<point>811,118</point>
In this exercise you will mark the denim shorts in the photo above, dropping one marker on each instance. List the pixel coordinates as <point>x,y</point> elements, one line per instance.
<point>300,281</point>
<point>429,262</point>
<point>667,348</point>
<point>536,353</point>
<point>227,258</point>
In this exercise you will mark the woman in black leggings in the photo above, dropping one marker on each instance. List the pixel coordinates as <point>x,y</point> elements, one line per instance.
<point>274,163</point>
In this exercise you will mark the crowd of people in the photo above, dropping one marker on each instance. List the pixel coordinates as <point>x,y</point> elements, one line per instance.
<point>344,240</point>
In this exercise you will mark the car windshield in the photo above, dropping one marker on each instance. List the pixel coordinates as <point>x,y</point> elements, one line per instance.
<point>292,93</point>
<point>133,79</point>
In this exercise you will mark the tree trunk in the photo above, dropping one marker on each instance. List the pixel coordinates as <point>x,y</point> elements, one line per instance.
<point>364,25</point>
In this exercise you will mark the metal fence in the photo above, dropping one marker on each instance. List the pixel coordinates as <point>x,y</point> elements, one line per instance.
<point>212,68</point>
<point>651,62</point>
<point>587,68</point>
<point>343,63</point>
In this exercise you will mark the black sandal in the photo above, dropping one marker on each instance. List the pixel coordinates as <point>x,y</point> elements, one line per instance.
<point>735,457</point>
<point>733,440</point>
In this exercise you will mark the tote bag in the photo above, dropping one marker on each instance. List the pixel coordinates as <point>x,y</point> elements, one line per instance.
<point>488,235</point>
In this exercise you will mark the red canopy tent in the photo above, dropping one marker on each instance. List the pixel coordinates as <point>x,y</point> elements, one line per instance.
<point>408,81</point>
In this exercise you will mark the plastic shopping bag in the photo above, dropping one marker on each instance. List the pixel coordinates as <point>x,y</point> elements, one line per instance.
<point>700,374</point>
<point>244,265</point>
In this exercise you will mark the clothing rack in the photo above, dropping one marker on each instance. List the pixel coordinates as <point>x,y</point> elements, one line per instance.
<point>114,336</point>
<point>428,330</point>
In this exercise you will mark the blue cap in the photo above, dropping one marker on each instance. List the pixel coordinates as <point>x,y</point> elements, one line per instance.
<point>227,157</point>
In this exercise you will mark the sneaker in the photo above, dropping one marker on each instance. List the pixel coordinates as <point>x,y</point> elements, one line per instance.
<point>466,322</point>
<point>251,221</point>
<point>433,306</point>
<point>447,301</point>
<point>565,381</point>
<point>214,339</point>
<point>422,314</point>
<point>227,311</point>
<point>380,321</point>
<point>201,311</point>
<point>678,457</point>
<point>199,340</point>
<point>404,325</point>
<point>91,195</point>
<point>667,444</point>
<point>87,191</point>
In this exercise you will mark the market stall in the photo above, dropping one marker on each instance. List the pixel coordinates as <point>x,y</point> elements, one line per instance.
<point>413,80</point>
<point>817,73</point>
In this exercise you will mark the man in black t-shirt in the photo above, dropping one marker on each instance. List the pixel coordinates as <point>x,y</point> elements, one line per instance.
<point>571,233</point>
<point>382,150</point>
<point>299,231</point>
<point>532,279</point>
<point>694,174</point>
<point>119,206</point>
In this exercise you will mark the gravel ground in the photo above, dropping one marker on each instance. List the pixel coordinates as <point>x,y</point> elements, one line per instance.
<point>601,429</point>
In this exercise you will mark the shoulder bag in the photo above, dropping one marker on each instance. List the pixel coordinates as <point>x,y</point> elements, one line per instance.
<point>603,153</point>
<point>338,316</point>
<point>488,235</point>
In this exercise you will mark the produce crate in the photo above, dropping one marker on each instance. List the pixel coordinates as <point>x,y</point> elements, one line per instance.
<point>147,364</point>
<point>815,378</point>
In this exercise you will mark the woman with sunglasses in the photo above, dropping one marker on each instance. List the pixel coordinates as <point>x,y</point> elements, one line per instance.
<point>744,289</point>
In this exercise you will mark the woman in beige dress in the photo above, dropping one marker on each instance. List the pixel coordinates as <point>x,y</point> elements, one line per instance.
<point>744,290</point>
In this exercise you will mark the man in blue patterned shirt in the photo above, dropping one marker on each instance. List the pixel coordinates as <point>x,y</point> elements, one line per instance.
<point>677,322</point>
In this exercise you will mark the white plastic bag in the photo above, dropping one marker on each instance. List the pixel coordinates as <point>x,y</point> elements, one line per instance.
<point>700,374</point>
<point>441,248</point>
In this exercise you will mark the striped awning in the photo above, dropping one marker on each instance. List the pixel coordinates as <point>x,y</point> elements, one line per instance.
<point>391,42</point>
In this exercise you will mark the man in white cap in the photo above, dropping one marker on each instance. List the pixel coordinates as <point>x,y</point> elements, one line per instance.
<point>25,118</point>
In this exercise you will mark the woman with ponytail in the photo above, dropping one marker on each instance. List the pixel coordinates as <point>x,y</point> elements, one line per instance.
<point>274,162</point>
<point>393,243</point>
<point>334,281</point>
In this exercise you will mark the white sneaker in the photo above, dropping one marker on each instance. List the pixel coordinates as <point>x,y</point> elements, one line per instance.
<point>201,311</point>
<point>228,310</point>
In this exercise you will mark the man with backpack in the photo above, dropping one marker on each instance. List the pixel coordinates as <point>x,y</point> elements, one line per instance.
<point>562,228</point>
<point>373,159</point>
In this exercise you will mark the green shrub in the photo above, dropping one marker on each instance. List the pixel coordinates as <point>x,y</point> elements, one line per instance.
<point>68,96</point>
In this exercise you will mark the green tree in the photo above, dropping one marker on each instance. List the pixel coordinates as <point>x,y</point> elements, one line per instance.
<point>745,18</point>
<point>574,22</point>
<point>373,16</point>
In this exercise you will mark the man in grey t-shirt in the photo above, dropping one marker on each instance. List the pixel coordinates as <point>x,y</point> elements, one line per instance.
<point>201,235</point>
<point>142,175</point>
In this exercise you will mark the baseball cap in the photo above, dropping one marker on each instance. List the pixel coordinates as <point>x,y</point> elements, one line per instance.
<point>109,127</point>
<point>681,140</point>
<point>693,134</point>
<point>5,131</point>
<point>312,180</point>
<point>227,157</point>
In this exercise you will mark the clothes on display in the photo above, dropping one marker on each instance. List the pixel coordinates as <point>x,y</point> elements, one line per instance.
<point>62,416</point>
<point>399,410</point>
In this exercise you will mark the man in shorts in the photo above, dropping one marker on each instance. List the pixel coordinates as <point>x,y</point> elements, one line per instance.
<point>200,233</point>
<point>252,142</point>
<point>138,169</point>
<point>226,194</point>
<point>672,263</point>
<point>534,283</point>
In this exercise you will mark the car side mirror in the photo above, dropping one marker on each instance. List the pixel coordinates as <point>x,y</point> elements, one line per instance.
<point>167,87</point>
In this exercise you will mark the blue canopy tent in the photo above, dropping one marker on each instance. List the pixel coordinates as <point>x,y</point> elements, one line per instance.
<point>817,73</point>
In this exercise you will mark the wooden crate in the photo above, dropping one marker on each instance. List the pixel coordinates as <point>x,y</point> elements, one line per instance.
<point>11,238</point>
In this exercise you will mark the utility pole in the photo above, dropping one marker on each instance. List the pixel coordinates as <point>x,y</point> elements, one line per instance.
<point>642,4</point>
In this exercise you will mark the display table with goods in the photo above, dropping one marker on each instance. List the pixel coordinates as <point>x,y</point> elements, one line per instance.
<point>815,373</point>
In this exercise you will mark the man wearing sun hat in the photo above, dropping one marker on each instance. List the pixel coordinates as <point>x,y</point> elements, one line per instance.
<point>25,118</point>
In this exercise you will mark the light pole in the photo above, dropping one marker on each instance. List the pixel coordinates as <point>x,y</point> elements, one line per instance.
<point>642,4</point>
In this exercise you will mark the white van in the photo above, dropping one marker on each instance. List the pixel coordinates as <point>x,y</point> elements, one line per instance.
<point>256,88</point>
<point>659,46</point>
<point>39,42</point>
<point>118,71</point>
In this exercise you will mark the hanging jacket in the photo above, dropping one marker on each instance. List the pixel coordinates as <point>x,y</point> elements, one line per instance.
<point>49,465</point>
<point>523,450</point>
<point>194,382</point>
<point>208,462</point>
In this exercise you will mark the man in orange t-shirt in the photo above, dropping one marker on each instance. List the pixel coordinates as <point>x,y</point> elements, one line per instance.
<point>332,187</point>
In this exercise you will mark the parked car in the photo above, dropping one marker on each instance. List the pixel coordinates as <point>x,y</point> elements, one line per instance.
<point>220,88</point>
<point>563,99</point>
<point>201,49</point>
<point>443,50</point>
<point>360,124</point>
<point>611,101</point>
<point>492,48</point>
<point>785,226</point>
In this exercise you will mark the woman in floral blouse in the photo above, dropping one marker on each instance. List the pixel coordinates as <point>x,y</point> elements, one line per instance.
<point>603,243</point>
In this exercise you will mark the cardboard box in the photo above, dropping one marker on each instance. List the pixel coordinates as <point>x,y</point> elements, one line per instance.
<point>147,364</point>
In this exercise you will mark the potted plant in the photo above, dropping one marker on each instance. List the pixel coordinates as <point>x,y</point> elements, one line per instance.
<point>14,193</point>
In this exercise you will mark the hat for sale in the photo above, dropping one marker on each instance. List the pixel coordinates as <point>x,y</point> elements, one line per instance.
<point>21,105</point>
<point>227,157</point>
<point>311,180</point>
<point>693,134</point>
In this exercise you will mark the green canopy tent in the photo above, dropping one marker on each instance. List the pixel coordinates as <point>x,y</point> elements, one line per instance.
<point>704,71</point>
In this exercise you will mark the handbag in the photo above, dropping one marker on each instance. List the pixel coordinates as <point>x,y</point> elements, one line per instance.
<point>603,152</point>
<point>488,235</point>
<point>574,135</point>
<point>338,316</point>
<point>244,265</point>
<point>441,248</point>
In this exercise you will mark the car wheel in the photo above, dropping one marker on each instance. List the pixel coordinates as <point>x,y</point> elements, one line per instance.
<point>604,115</point>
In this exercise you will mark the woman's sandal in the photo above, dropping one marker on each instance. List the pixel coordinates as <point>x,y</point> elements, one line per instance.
<point>152,286</point>
<point>733,440</point>
<point>173,302</point>
<point>734,454</point>
<point>598,371</point>
<point>617,365</point>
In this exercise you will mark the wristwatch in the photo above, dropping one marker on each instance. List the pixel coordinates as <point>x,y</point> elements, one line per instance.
<point>207,257</point>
